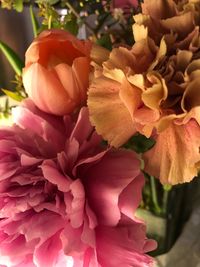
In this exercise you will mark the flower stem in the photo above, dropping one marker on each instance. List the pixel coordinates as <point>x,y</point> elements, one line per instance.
<point>154,195</point>
<point>166,190</point>
<point>49,22</point>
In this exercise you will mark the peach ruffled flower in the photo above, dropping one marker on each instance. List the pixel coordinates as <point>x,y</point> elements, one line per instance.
<point>56,73</point>
<point>145,89</point>
<point>175,157</point>
<point>115,96</point>
<point>177,21</point>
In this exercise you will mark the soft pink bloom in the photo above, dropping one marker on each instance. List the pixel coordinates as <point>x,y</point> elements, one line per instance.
<point>56,73</point>
<point>64,198</point>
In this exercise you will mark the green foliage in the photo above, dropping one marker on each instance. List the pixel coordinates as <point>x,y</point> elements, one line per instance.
<point>140,143</point>
<point>14,95</point>
<point>18,94</point>
<point>34,21</point>
<point>5,111</point>
<point>52,2</point>
<point>105,41</point>
<point>18,5</point>
<point>50,17</point>
<point>12,58</point>
<point>70,23</point>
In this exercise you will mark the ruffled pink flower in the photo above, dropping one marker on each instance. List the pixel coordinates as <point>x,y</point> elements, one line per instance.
<point>65,200</point>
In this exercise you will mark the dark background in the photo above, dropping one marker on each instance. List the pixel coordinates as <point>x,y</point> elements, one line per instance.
<point>16,32</point>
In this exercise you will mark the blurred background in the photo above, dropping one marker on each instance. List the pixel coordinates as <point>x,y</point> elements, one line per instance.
<point>16,31</point>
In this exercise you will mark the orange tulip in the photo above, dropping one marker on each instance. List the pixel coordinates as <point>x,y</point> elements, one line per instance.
<point>56,73</point>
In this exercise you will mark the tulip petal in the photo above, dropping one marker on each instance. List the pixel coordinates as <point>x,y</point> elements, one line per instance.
<point>81,69</point>
<point>65,76</point>
<point>46,91</point>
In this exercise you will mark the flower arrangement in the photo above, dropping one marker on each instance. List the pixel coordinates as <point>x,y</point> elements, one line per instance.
<point>96,119</point>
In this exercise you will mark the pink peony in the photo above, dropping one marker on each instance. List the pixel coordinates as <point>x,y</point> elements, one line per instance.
<point>65,199</point>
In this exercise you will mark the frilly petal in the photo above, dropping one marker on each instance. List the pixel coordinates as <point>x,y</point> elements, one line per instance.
<point>107,111</point>
<point>175,156</point>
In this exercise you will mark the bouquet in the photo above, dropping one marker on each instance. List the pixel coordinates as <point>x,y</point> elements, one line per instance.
<point>96,119</point>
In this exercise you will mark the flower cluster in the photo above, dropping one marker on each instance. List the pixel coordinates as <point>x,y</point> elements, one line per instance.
<point>152,88</point>
<point>66,198</point>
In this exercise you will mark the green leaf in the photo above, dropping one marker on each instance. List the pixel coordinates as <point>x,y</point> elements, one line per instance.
<point>52,2</point>
<point>140,143</point>
<point>70,23</point>
<point>12,58</point>
<point>13,95</point>
<point>35,24</point>
<point>72,27</point>
<point>105,41</point>
<point>18,5</point>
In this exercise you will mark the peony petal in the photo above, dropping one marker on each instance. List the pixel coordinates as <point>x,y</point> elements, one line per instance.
<point>52,174</point>
<point>77,205</point>
<point>36,124</point>
<point>110,180</point>
<point>83,128</point>
<point>45,222</point>
<point>120,241</point>
<point>126,203</point>
<point>71,240</point>
<point>50,247</point>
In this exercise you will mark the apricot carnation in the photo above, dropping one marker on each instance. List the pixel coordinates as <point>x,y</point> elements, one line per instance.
<point>148,90</point>
<point>178,21</point>
<point>116,99</point>
<point>65,200</point>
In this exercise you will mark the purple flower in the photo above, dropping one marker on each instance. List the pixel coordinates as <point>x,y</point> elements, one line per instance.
<point>125,3</point>
<point>66,200</point>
